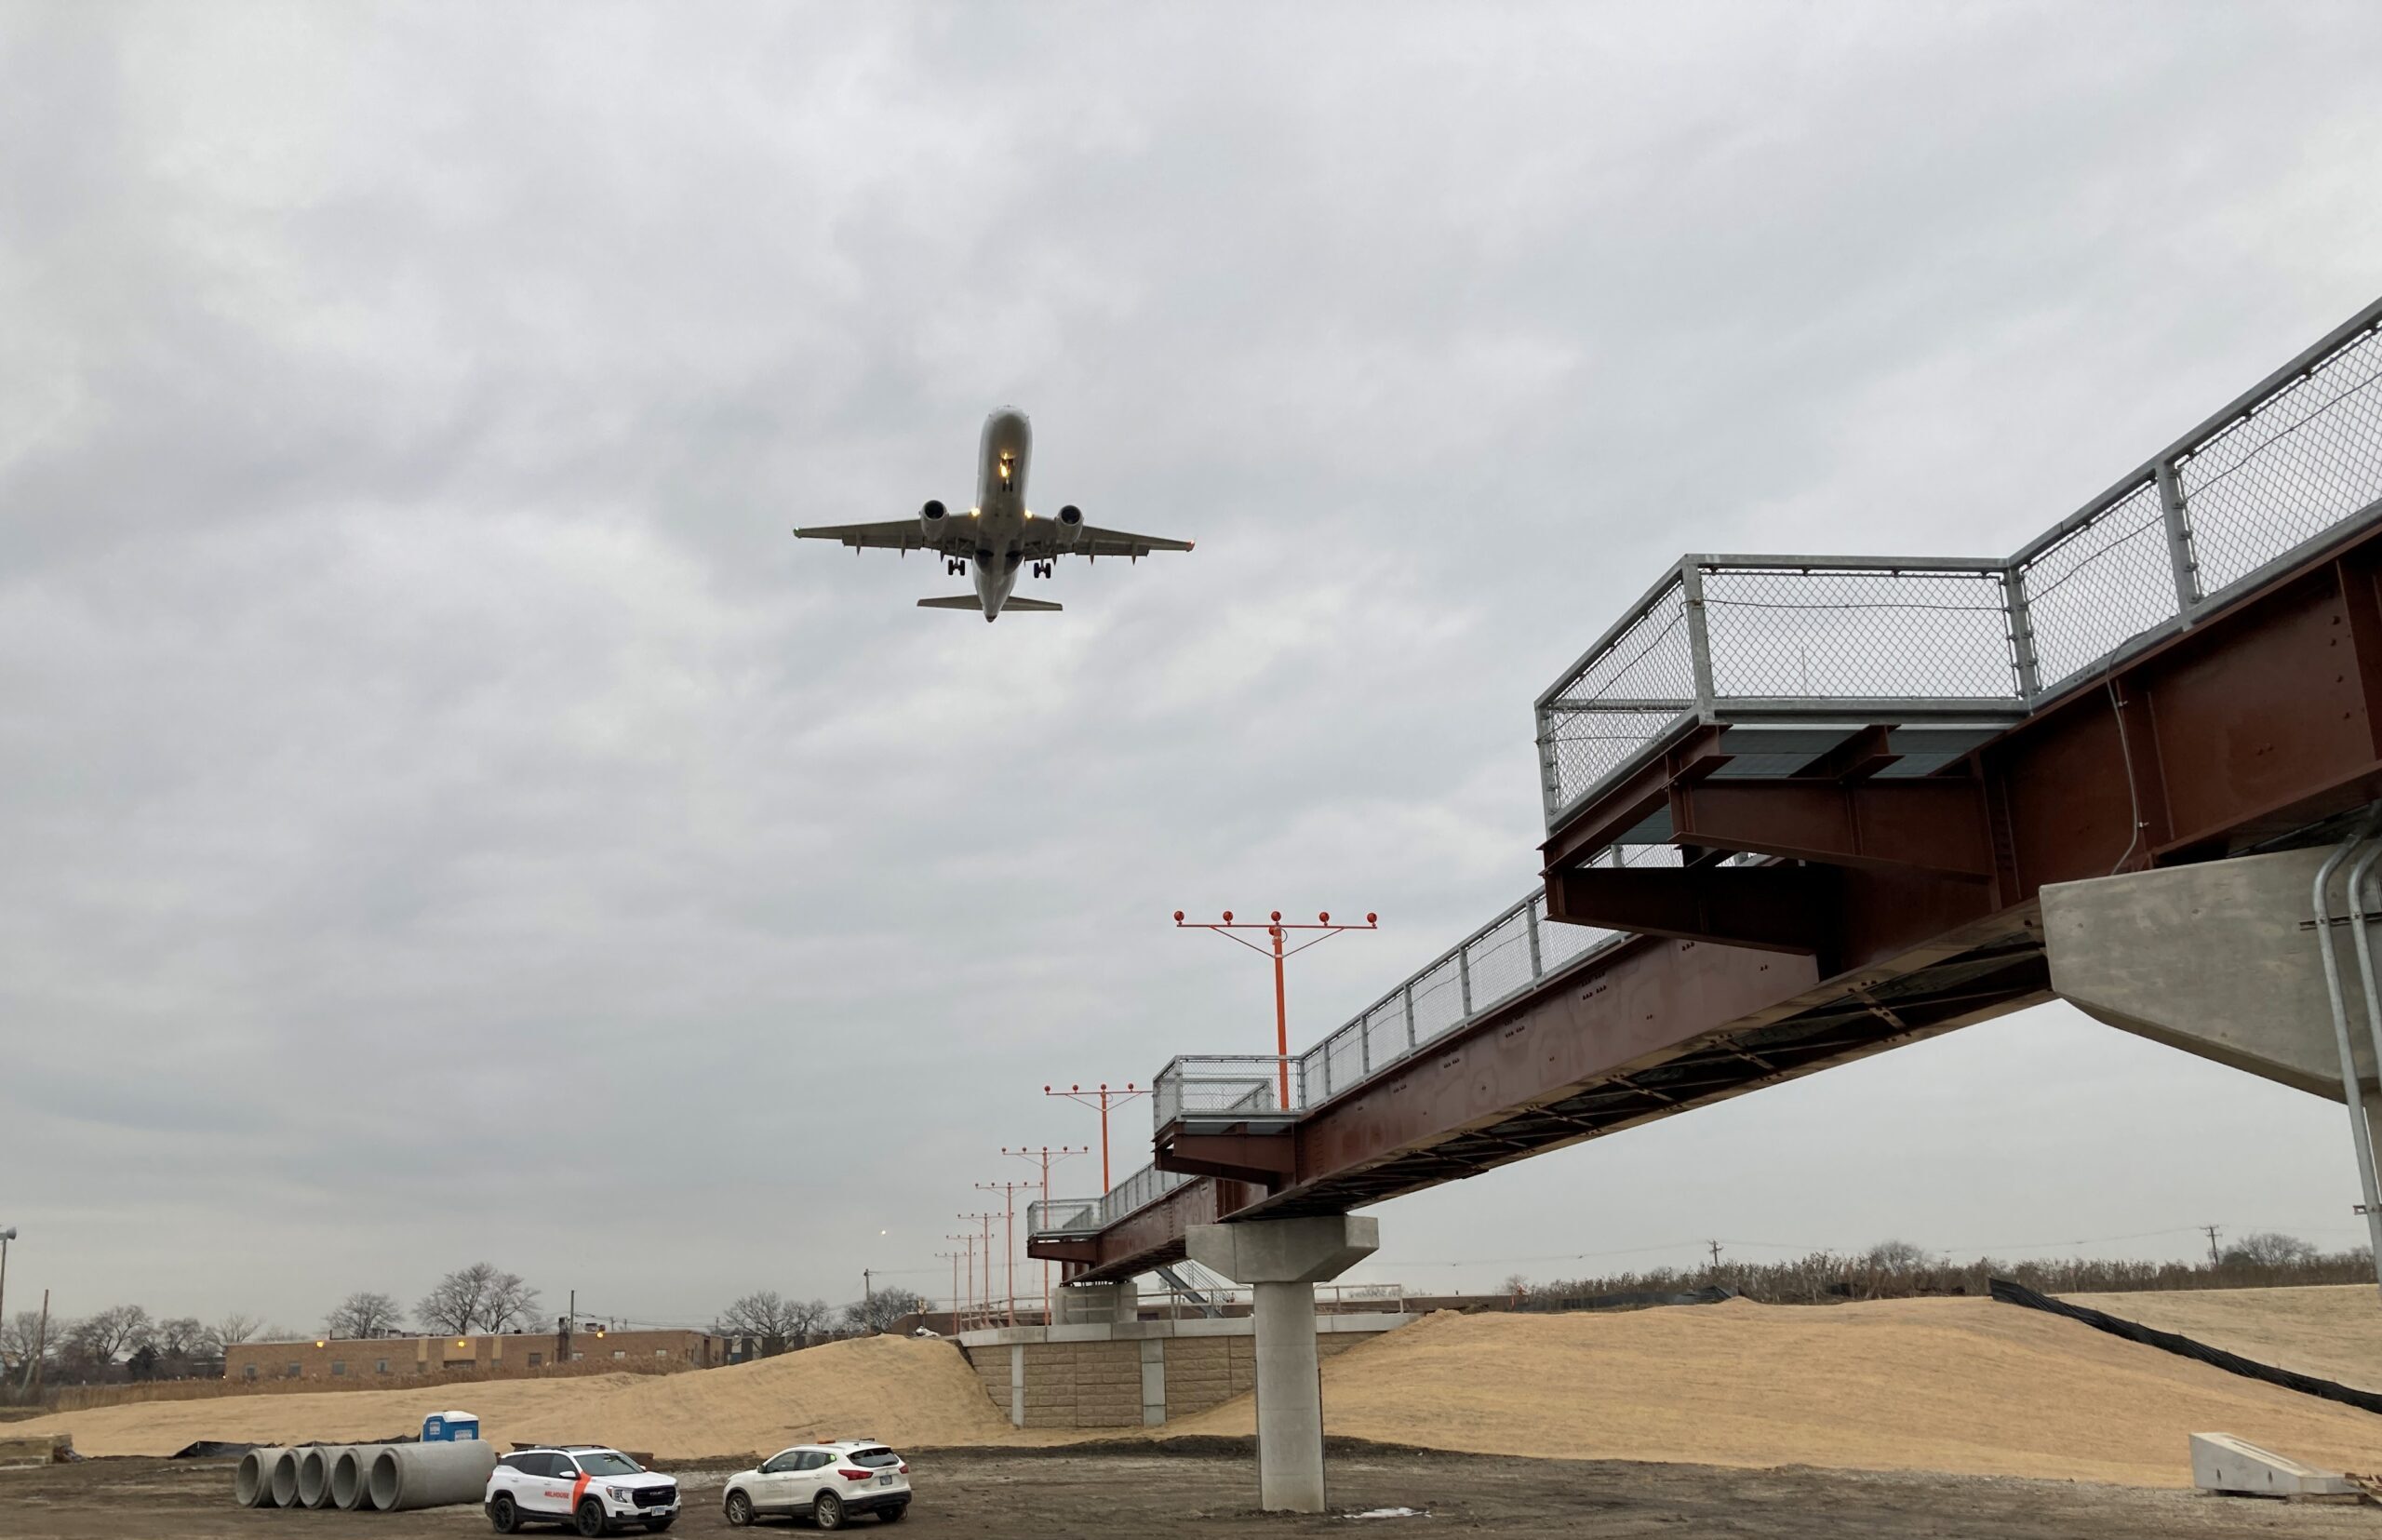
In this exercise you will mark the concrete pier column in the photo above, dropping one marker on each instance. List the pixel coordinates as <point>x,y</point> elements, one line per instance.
<point>1282,1260</point>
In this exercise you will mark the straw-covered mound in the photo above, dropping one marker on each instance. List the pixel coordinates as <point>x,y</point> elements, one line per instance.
<point>2332,1332</point>
<point>1959,1386</point>
<point>909,1392</point>
<point>1952,1385</point>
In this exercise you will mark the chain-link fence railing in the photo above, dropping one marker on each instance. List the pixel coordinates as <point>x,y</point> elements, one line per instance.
<point>2293,462</point>
<point>1222,1085</point>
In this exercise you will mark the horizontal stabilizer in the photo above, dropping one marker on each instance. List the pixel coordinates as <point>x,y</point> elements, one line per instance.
<point>969,601</point>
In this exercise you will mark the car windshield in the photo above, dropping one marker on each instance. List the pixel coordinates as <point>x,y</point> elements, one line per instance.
<point>875,1459</point>
<point>603,1462</point>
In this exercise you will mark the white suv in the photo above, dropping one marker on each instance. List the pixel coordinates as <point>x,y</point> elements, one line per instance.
<point>826,1483</point>
<point>587,1486</point>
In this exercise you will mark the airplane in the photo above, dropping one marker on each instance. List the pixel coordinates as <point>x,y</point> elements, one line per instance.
<point>999,535</point>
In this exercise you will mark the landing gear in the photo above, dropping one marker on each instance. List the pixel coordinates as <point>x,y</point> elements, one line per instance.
<point>1043,568</point>
<point>954,569</point>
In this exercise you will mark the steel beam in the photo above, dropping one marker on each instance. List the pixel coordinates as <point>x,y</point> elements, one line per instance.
<point>1932,824</point>
<point>1772,908</point>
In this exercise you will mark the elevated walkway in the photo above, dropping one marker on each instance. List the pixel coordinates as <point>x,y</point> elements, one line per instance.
<point>1799,810</point>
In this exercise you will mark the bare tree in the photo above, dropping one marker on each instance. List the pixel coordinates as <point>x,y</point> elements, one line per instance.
<point>364,1315</point>
<point>2268,1248</point>
<point>808,1321</point>
<point>232,1330</point>
<point>882,1309</point>
<point>103,1338</point>
<point>1898,1256</point>
<point>181,1337</point>
<point>17,1337</point>
<point>763,1316</point>
<point>478,1298</point>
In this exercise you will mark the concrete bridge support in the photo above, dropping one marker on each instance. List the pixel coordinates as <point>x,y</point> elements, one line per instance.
<point>1282,1260</point>
<point>2263,962</point>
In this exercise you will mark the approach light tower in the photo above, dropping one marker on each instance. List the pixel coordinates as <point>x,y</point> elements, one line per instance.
<point>1274,927</point>
<point>1102,1098</point>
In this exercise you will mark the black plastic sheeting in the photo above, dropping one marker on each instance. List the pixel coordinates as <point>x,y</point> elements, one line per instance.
<point>1635,1299</point>
<point>2150,1336</point>
<point>208,1448</point>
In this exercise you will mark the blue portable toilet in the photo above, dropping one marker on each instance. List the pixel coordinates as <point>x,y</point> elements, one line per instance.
<point>450,1427</point>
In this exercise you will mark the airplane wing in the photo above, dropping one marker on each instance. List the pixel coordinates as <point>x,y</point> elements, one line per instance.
<point>901,534</point>
<point>1091,541</point>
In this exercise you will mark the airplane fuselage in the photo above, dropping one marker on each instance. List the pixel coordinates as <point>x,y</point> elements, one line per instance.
<point>998,518</point>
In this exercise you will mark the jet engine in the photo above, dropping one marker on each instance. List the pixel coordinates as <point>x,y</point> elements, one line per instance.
<point>1070,524</point>
<point>931,518</point>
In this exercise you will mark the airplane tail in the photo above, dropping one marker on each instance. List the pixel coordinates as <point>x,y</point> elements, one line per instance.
<point>969,601</point>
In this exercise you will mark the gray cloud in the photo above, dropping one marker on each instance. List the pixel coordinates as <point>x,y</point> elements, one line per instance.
<point>433,776</point>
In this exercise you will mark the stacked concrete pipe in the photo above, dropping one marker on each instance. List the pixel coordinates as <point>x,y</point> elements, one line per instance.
<point>282,1480</point>
<point>424,1475</point>
<point>253,1478</point>
<point>314,1474</point>
<point>352,1476</point>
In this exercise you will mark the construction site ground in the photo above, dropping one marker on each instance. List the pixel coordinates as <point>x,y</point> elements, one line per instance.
<point>1987,1419</point>
<point>1207,1487</point>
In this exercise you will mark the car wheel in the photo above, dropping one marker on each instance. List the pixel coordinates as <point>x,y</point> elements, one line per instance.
<point>591,1518</point>
<point>739,1509</point>
<point>504,1515</point>
<point>827,1511</point>
<point>893,1515</point>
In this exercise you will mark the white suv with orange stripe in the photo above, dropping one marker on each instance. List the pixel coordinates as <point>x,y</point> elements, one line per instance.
<point>586,1487</point>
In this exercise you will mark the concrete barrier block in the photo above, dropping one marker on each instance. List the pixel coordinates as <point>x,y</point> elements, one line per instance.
<point>2223,1463</point>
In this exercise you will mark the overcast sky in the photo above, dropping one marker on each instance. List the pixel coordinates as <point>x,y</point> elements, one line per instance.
<point>445,815</point>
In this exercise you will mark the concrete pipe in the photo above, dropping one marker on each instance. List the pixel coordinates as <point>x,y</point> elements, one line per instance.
<point>314,1474</point>
<point>282,1481</point>
<point>427,1476</point>
<point>253,1478</point>
<point>352,1476</point>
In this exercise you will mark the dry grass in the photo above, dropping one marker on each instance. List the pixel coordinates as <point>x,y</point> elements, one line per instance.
<point>1953,1384</point>
<point>2335,1333</point>
<point>84,1398</point>
<point>913,1392</point>
<point>1959,1386</point>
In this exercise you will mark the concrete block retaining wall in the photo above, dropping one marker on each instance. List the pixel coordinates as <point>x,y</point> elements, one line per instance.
<point>1134,1375</point>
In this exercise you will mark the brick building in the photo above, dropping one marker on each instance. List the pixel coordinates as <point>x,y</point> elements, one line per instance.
<point>512,1352</point>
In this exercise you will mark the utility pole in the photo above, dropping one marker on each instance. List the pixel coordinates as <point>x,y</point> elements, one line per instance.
<point>953,1258</point>
<point>1103,1099</point>
<point>868,1300</point>
<point>1273,928</point>
<point>961,1304</point>
<point>2212,1230</point>
<point>985,1219</point>
<point>1716,1256</point>
<point>1009,1191</point>
<point>1046,1154</point>
<point>7,1235</point>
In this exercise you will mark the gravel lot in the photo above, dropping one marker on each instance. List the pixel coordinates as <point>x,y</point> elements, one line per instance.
<point>1207,1487</point>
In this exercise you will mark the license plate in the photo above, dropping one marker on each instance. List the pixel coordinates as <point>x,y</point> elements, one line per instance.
<point>886,1479</point>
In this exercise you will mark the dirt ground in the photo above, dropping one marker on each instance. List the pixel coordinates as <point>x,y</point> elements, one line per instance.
<point>1208,1487</point>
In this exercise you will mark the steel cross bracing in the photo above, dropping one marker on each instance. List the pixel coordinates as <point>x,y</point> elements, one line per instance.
<point>1806,857</point>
